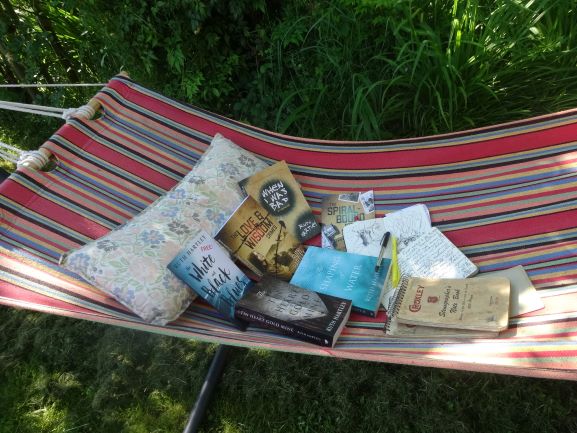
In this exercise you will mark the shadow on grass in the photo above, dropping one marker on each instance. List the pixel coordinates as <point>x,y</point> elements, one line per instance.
<point>61,375</point>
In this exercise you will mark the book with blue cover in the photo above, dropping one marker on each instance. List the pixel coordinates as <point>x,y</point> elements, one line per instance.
<point>210,272</point>
<point>345,275</point>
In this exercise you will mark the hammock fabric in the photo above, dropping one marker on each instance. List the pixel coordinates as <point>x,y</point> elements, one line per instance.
<point>505,195</point>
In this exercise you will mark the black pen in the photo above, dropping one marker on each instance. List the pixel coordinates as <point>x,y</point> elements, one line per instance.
<point>384,243</point>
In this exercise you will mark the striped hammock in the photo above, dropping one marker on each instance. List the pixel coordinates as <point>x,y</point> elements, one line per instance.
<point>505,195</point>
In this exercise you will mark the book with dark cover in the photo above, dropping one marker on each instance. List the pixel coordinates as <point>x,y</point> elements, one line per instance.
<point>260,242</point>
<point>208,270</point>
<point>294,311</point>
<point>276,189</point>
<point>338,210</point>
<point>345,275</point>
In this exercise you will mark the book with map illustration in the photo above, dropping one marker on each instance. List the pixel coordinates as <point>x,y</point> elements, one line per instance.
<point>303,314</point>
<point>433,255</point>
<point>260,242</point>
<point>276,190</point>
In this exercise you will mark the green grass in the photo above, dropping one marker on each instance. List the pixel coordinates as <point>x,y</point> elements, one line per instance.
<point>371,69</point>
<point>394,69</point>
<point>62,375</point>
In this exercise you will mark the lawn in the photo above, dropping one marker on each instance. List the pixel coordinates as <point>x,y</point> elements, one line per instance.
<point>62,375</point>
<point>348,70</point>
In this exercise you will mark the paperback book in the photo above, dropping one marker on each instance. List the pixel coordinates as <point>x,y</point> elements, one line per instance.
<point>276,190</point>
<point>454,303</point>
<point>260,242</point>
<point>210,272</point>
<point>524,296</point>
<point>303,314</point>
<point>345,275</point>
<point>338,210</point>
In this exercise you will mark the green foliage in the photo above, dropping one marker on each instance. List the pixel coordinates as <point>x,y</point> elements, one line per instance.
<point>193,50</point>
<point>345,70</point>
<point>58,374</point>
<point>392,69</point>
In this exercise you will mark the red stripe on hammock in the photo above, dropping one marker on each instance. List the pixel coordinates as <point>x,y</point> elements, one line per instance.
<point>396,159</point>
<point>55,212</point>
<point>127,164</point>
<point>518,228</point>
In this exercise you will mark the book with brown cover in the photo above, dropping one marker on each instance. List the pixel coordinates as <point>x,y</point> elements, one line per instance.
<point>276,189</point>
<point>458,303</point>
<point>260,242</point>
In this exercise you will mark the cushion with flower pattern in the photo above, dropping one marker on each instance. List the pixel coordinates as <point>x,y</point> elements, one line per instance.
<point>130,262</point>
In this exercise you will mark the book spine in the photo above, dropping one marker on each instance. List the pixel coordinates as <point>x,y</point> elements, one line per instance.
<point>295,331</point>
<point>395,304</point>
<point>364,311</point>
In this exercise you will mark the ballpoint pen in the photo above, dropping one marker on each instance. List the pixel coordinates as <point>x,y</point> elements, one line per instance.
<point>384,243</point>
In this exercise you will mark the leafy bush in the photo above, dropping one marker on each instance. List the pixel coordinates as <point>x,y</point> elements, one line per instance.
<point>392,69</point>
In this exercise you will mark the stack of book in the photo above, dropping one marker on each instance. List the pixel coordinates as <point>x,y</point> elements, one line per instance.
<point>400,262</point>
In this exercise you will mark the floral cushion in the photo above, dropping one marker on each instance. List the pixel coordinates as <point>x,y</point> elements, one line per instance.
<point>130,262</point>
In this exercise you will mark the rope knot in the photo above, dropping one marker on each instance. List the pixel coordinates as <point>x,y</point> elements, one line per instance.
<point>34,159</point>
<point>84,112</point>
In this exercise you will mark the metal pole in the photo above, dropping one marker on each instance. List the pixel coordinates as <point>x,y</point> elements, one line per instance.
<point>210,382</point>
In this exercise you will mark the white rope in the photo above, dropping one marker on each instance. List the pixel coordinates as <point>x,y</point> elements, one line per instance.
<point>53,85</point>
<point>20,104</point>
<point>4,148</point>
<point>85,111</point>
<point>30,108</point>
<point>34,159</point>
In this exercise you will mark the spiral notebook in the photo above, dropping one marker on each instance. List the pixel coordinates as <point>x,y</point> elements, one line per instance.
<point>431,255</point>
<point>451,303</point>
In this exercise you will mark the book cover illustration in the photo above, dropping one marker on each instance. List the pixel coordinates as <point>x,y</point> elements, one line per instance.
<point>204,266</point>
<point>276,189</point>
<point>345,275</point>
<point>260,242</point>
<point>338,210</point>
<point>480,304</point>
<point>292,310</point>
<point>406,225</point>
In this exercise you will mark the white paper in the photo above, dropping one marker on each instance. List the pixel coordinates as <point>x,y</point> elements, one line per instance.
<point>432,255</point>
<point>364,237</point>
